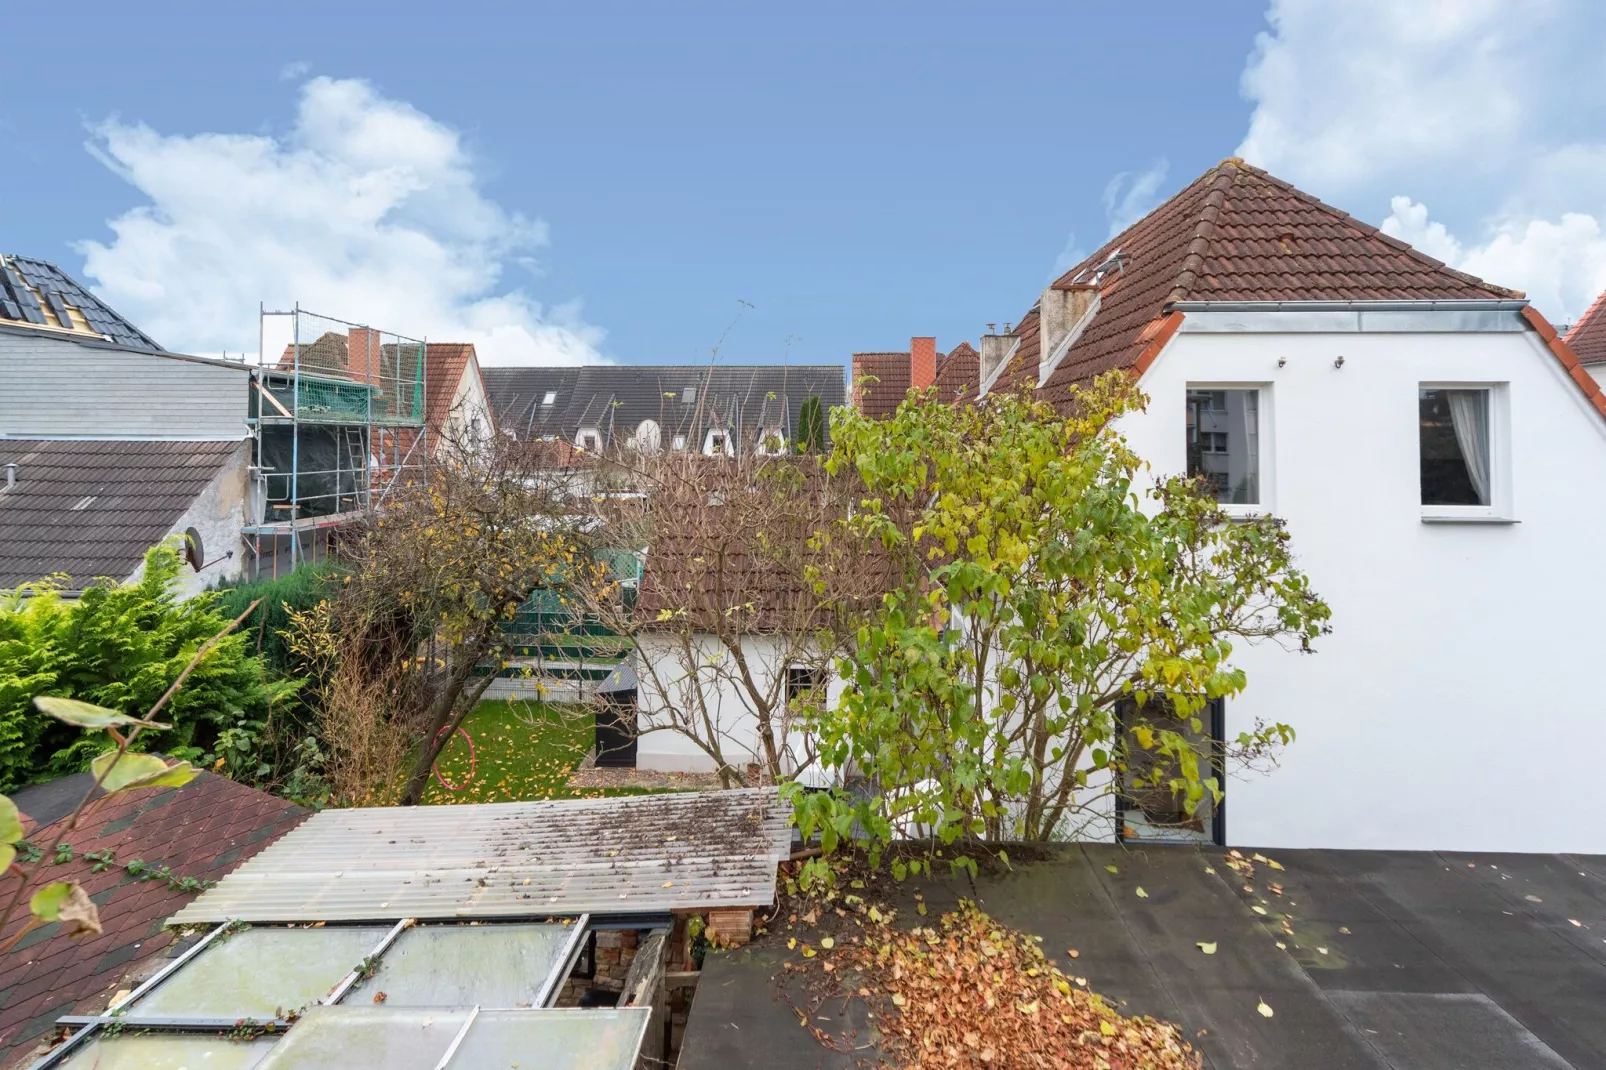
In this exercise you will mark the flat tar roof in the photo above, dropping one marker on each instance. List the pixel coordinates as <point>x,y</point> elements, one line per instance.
<point>1432,960</point>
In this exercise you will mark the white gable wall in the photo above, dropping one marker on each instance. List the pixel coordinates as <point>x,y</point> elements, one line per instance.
<point>1450,708</point>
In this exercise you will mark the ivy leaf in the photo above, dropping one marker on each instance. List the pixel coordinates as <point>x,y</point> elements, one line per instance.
<point>88,715</point>
<point>10,822</point>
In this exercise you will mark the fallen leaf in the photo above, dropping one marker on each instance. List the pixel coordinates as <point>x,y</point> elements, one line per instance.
<point>1282,945</point>
<point>1210,869</point>
<point>827,943</point>
<point>1274,864</point>
<point>808,952</point>
<point>1258,910</point>
<point>898,1000</point>
<point>1112,869</point>
<point>1576,923</point>
<point>1265,1011</point>
<point>1533,899</point>
<point>1107,1029</point>
<point>791,945</point>
<point>1141,893</point>
<point>1075,954</point>
<point>1344,929</point>
<point>1321,951</point>
<point>1209,948</point>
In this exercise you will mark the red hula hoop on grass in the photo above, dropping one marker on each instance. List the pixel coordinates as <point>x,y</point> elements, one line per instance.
<point>435,768</point>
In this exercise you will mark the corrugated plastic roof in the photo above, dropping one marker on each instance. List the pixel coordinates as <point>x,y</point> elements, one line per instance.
<point>643,854</point>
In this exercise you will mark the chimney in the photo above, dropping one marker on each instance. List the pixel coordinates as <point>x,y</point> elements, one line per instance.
<point>1058,312</point>
<point>994,348</point>
<point>362,354</point>
<point>11,474</point>
<point>922,362</point>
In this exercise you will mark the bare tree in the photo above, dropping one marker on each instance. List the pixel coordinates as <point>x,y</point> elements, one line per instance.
<point>749,593</point>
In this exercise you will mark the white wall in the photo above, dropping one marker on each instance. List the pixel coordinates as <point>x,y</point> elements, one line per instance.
<point>1452,707</point>
<point>731,711</point>
<point>56,387</point>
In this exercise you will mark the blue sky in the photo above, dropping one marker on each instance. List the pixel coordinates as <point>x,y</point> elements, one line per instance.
<point>609,181</point>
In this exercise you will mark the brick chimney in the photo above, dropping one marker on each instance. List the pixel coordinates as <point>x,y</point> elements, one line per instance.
<point>362,354</point>
<point>922,362</point>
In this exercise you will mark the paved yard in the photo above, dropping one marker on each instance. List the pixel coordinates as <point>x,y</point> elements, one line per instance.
<point>1397,960</point>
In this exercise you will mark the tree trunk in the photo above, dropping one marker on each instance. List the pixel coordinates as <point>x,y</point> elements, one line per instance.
<point>442,724</point>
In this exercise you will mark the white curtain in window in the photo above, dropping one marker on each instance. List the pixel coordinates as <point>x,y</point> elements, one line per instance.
<point>1469,413</point>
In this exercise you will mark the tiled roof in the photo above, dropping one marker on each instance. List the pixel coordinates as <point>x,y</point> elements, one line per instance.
<point>38,294</point>
<point>201,830</point>
<point>959,373</point>
<point>891,371</point>
<point>1235,233</point>
<point>92,509</point>
<point>1588,336</point>
<point>615,399</point>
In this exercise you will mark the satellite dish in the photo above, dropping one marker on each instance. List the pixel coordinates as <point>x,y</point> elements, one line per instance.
<point>194,552</point>
<point>648,438</point>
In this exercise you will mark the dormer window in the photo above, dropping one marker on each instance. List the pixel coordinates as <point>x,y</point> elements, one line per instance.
<point>589,438</point>
<point>718,442</point>
<point>771,443</point>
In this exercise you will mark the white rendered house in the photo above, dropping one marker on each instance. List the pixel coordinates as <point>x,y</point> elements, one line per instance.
<point>1437,453</point>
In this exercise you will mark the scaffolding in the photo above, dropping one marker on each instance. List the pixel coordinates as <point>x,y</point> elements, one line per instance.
<point>338,421</point>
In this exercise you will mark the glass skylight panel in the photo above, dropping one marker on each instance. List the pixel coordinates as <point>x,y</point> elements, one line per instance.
<point>260,973</point>
<point>467,966</point>
<point>553,1040</point>
<point>168,1051</point>
<point>359,1038</point>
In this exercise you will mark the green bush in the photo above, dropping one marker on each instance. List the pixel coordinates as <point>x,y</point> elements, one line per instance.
<point>122,647</point>
<point>295,591</point>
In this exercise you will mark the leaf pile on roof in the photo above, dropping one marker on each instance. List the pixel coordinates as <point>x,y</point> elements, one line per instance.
<point>969,992</point>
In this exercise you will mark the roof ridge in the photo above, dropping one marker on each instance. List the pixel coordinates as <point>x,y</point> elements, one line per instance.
<point>1226,175</point>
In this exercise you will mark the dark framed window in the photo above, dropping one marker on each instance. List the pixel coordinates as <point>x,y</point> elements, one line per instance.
<point>1223,430</point>
<point>1453,428</point>
<point>1147,809</point>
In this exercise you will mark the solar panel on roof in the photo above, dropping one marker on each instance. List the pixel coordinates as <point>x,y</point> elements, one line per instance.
<point>59,307</point>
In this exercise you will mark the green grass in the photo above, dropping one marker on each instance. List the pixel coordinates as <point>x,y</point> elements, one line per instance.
<point>522,751</point>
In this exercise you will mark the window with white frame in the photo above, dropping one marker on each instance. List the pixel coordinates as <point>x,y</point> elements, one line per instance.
<point>1224,442</point>
<point>1456,437</point>
<point>589,438</point>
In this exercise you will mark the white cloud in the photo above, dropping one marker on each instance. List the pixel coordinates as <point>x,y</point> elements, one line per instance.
<point>1489,110</point>
<point>1128,198</point>
<point>1070,256</point>
<point>367,209</point>
<point>1562,264</point>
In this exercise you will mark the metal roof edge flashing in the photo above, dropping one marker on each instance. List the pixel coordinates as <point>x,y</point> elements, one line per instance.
<point>1498,315</point>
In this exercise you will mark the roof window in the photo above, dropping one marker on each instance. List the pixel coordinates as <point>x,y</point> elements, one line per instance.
<point>549,398</point>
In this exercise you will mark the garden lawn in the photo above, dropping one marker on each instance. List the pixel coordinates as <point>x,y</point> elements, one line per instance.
<point>522,751</point>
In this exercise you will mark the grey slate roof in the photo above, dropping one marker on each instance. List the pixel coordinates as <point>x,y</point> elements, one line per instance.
<point>92,509</point>
<point>682,399</point>
<point>38,292</point>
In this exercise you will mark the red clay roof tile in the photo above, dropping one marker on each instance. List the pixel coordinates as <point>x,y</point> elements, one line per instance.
<point>202,830</point>
<point>1587,338</point>
<point>1235,233</point>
